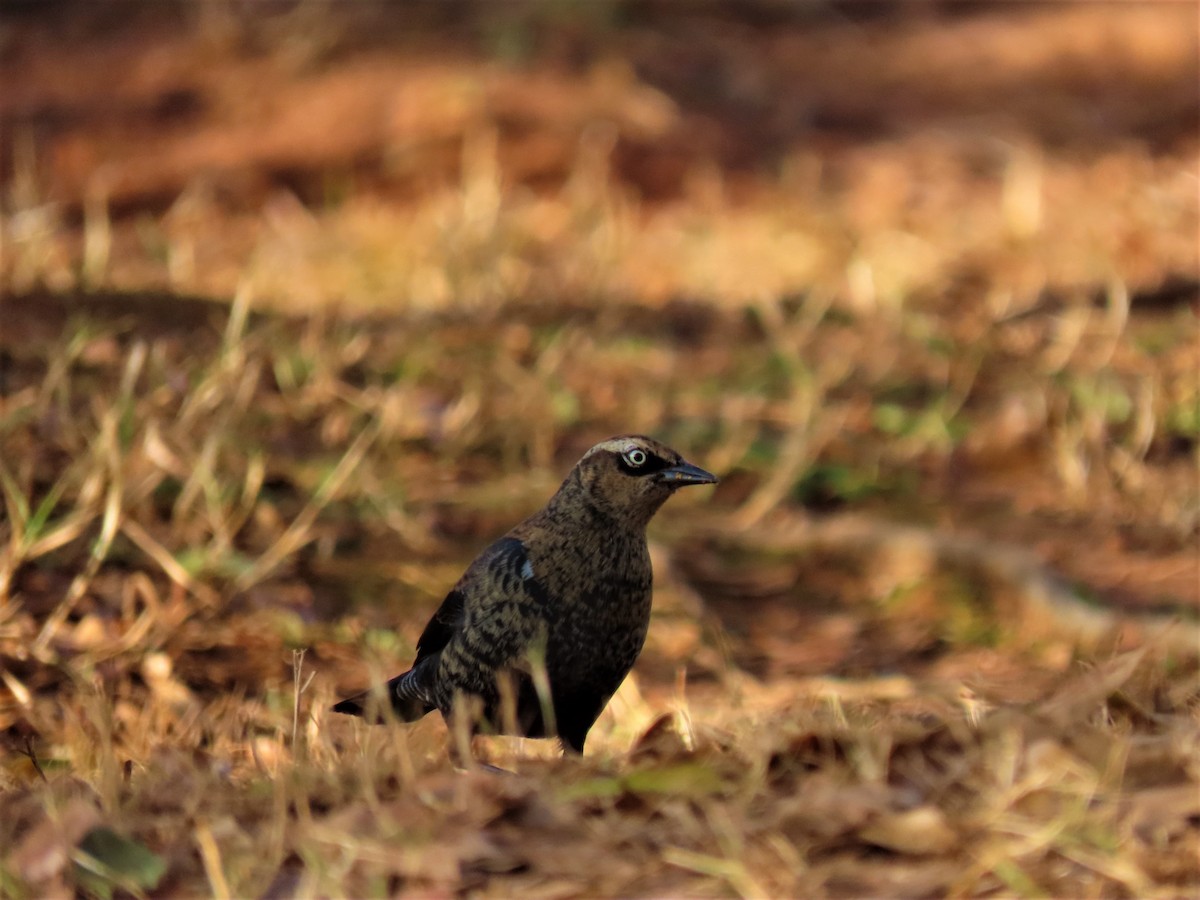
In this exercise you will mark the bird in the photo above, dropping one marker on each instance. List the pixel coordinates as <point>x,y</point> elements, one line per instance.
<point>544,625</point>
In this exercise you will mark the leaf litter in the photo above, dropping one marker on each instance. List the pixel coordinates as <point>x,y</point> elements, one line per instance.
<point>936,632</point>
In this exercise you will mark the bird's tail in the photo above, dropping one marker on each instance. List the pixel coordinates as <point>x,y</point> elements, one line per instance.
<point>405,708</point>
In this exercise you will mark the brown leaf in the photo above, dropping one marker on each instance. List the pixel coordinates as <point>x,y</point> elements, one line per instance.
<point>1163,816</point>
<point>45,852</point>
<point>824,809</point>
<point>918,832</point>
<point>660,741</point>
<point>1080,696</point>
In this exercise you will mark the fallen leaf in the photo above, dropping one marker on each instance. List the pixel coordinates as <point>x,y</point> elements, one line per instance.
<point>917,832</point>
<point>44,852</point>
<point>107,861</point>
<point>1162,816</point>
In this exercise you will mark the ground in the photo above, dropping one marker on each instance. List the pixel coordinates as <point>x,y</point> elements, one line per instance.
<point>302,304</point>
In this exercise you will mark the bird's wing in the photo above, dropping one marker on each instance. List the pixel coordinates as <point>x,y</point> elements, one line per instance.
<point>503,606</point>
<point>489,619</point>
<point>441,627</point>
<point>496,594</point>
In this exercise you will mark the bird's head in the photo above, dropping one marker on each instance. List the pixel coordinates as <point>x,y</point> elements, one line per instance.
<point>631,476</point>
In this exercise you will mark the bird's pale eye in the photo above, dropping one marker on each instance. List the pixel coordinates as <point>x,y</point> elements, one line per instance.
<point>636,457</point>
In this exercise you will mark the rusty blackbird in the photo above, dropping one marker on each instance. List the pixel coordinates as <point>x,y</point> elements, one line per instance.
<point>565,594</point>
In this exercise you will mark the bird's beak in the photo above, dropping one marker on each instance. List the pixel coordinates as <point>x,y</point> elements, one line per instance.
<point>686,473</point>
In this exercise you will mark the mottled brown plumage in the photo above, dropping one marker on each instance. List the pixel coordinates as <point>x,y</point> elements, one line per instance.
<point>570,585</point>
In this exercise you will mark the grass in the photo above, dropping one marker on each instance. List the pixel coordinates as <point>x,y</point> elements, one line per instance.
<point>934,633</point>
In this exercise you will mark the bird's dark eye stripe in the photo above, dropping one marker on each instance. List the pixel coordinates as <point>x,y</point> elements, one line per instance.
<point>649,467</point>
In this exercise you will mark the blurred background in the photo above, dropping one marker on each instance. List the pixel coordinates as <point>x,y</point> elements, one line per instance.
<point>302,303</point>
<point>934,258</point>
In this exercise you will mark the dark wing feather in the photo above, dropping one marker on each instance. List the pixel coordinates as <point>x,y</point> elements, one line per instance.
<point>499,575</point>
<point>503,603</point>
<point>498,583</point>
<point>504,617</point>
<point>441,626</point>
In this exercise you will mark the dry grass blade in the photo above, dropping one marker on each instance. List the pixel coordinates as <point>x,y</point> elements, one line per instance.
<point>170,566</point>
<point>1084,694</point>
<point>299,531</point>
<point>109,524</point>
<point>732,872</point>
<point>298,689</point>
<point>31,531</point>
<point>210,853</point>
<point>108,463</point>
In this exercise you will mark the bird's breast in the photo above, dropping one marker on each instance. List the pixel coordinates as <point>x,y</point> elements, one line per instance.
<point>599,622</point>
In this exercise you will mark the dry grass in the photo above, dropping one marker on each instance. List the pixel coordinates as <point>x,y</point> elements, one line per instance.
<point>935,633</point>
